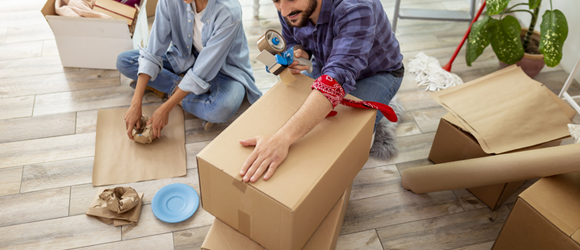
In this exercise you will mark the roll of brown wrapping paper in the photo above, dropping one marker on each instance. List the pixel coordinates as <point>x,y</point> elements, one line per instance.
<point>492,170</point>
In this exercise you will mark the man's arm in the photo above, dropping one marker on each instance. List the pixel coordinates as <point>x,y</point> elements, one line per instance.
<point>271,151</point>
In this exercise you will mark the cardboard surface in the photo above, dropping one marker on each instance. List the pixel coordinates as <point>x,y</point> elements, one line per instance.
<point>521,115</point>
<point>545,216</point>
<point>151,6</point>
<point>94,42</point>
<point>116,10</point>
<point>223,237</point>
<point>283,212</point>
<point>118,159</point>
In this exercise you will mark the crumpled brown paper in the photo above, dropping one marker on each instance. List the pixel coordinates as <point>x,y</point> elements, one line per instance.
<point>121,210</point>
<point>120,199</point>
<point>143,135</point>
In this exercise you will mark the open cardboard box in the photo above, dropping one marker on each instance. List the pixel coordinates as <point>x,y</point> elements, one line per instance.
<point>151,7</point>
<point>284,212</point>
<point>453,143</point>
<point>223,237</point>
<point>94,42</point>
<point>545,216</point>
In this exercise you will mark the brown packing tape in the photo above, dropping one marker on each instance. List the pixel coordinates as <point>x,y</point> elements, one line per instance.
<point>492,170</point>
<point>244,222</point>
<point>264,45</point>
<point>239,184</point>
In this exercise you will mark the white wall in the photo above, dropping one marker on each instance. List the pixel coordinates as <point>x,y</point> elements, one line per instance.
<point>570,9</point>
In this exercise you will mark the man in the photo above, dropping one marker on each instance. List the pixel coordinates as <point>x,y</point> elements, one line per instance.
<point>207,45</point>
<point>354,52</point>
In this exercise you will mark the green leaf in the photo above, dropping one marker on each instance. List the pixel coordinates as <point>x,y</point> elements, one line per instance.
<point>504,36</point>
<point>478,40</point>
<point>554,32</point>
<point>495,7</point>
<point>534,3</point>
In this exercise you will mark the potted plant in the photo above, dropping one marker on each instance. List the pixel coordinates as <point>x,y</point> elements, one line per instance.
<point>510,42</point>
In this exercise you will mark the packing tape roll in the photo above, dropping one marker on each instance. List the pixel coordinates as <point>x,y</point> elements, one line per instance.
<point>265,42</point>
<point>491,170</point>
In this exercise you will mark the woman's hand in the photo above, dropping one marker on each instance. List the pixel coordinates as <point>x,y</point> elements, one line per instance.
<point>133,119</point>
<point>159,119</point>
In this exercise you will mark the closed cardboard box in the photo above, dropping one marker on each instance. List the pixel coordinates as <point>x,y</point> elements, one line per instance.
<point>223,237</point>
<point>545,216</point>
<point>283,212</point>
<point>94,42</point>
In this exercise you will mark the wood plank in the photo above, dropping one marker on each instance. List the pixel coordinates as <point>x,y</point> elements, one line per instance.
<point>480,246</point>
<point>81,196</point>
<point>157,242</point>
<point>376,181</point>
<point>413,164</point>
<point>415,100</point>
<point>150,225</point>
<point>47,150</point>
<point>20,50</point>
<point>446,232</point>
<point>190,238</point>
<point>86,121</point>
<point>37,127</point>
<point>59,82</point>
<point>82,100</point>
<point>10,179</point>
<point>29,33</point>
<point>194,131</point>
<point>191,150</point>
<point>36,206</point>
<point>21,19</point>
<point>367,240</point>
<point>428,119</point>
<point>67,232</point>
<point>407,126</point>
<point>414,147</point>
<point>468,201</point>
<point>57,174</point>
<point>9,6</point>
<point>16,107</point>
<point>30,67</point>
<point>49,48</point>
<point>397,208</point>
<point>3,32</point>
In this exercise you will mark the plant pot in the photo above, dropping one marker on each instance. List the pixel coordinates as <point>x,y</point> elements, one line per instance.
<point>531,64</point>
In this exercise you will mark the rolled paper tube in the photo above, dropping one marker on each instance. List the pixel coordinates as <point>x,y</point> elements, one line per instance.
<point>491,170</point>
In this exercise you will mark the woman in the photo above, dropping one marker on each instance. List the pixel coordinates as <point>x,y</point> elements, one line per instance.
<point>204,42</point>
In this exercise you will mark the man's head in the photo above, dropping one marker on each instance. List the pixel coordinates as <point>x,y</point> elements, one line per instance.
<point>298,12</point>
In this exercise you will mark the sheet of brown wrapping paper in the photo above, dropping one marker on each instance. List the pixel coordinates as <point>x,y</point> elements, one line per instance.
<point>119,160</point>
<point>99,210</point>
<point>491,170</point>
<point>522,114</point>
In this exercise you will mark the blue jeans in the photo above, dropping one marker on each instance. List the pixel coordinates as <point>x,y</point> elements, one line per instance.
<point>378,88</point>
<point>218,105</point>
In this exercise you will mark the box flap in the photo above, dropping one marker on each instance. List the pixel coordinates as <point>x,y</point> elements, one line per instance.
<point>521,115</point>
<point>312,154</point>
<point>558,199</point>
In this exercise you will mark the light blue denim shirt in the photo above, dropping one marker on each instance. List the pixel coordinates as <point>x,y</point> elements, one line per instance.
<point>225,48</point>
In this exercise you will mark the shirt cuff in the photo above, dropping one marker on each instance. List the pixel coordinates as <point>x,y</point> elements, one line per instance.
<point>147,65</point>
<point>342,76</point>
<point>193,83</point>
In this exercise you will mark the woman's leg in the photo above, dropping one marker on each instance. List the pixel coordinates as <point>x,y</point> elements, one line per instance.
<point>128,65</point>
<point>220,103</point>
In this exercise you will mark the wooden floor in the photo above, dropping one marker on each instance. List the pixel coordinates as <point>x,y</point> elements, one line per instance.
<point>47,139</point>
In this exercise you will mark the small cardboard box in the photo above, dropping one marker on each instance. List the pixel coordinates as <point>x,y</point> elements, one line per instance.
<point>151,7</point>
<point>283,212</point>
<point>223,237</point>
<point>116,10</point>
<point>94,42</point>
<point>545,216</point>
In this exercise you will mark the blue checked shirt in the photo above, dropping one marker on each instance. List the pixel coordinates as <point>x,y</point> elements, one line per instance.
<point>225,48</point>
<point>352,40</point>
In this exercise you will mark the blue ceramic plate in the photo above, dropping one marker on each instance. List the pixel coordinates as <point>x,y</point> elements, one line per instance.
<point>175,203</point>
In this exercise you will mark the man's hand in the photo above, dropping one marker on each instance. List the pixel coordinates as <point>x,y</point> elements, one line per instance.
<point>269,153</point>
<point>294,67</point>
<point>133,119</point>
<point>159,119</point>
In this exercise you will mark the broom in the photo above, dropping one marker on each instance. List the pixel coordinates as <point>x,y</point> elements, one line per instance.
<point>430,73</point>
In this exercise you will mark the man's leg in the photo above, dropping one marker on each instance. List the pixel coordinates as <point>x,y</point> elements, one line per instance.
<point>220,103</point>
<point>128,65</point>
<point>378,88</point>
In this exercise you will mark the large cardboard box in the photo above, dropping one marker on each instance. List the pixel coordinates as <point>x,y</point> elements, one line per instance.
<point>283,212</point>
<point>223,237</point>
<point>545,216</point>
<point>151,7</point>
<point>452,142</point>
<point>94,42</point>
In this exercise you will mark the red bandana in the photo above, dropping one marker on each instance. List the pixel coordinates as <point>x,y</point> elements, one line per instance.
<point>332,90</point>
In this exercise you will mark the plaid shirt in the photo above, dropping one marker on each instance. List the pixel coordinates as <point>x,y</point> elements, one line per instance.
<point>352,40</point>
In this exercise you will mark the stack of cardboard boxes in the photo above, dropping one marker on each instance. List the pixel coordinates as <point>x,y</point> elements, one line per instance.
<point>285,211</point>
